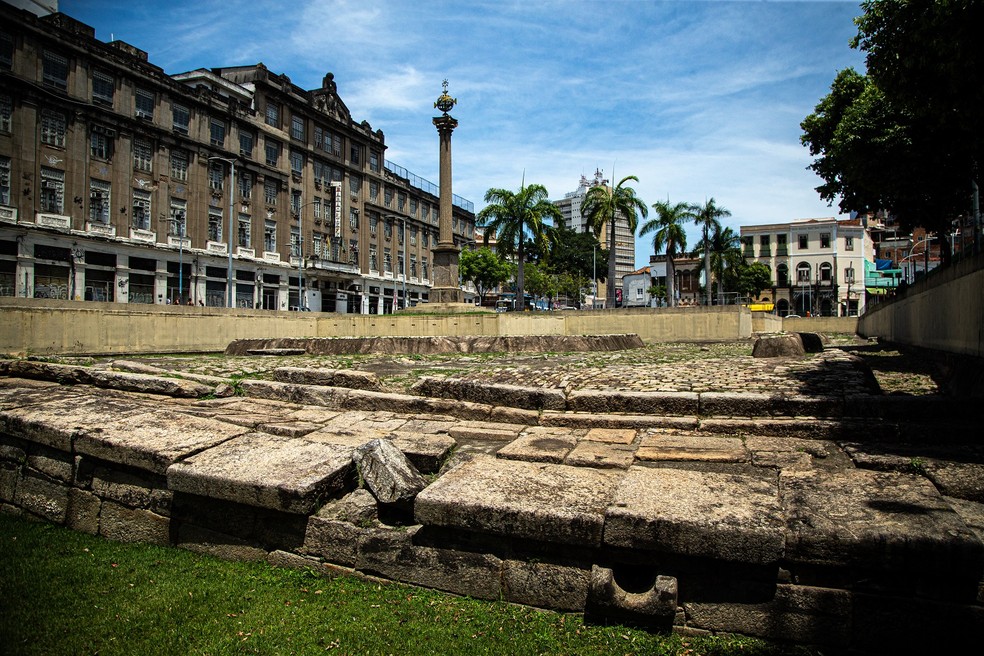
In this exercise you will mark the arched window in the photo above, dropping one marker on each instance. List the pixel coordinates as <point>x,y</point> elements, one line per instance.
<point>826,272</point>
<point>782,275</point>
<point>802,272</point>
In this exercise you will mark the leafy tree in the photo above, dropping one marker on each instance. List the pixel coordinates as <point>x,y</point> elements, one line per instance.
<point>511,217</point>
<point>708,218</point>
<point>539,283</point>
<point>658,292</point>
<point>748,278</point>
<point>725,254</point>
<point>574,253</point>
<point>604,204</point>
<point>571,286</point>
<point>668,234</point>
<point>484,268</point>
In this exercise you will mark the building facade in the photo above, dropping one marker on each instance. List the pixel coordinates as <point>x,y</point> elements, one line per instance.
<point>817,265</point>
<point>213,187</point>
<point>570,209</point>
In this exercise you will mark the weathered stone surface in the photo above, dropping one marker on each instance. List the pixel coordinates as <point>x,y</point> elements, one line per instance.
<point>42,497</point>
<point>330,397</point>
<point>540,445</point>
<point>124,524</point>
<point>654,403</point>
<point>812,342</point>
<point>221,545</point>
<point>129,489</point>
<point>780,345</point>
<point>550,503</point>
<point>608,599</point>
<point>545,585</point>
<point>724,516</point>
<point>394,555</point>
<point>504,415</point>
<point>971,512</point>
<point>153,440</point>
<point>53,464</point>
<point>797,613</point>
<point>83,511</point>
<point>427,452</point>
<point>289,429</point>
<point>144,383</point>
<point>514,396</point>
<point>350,378</point>
<point>387,473</point>
<point>600,454</point>
<point>877,521</point>
<point>783,460</point>
<point>9,477</point>
<point>334,532</point>
<point>588,420</point>
<point>267,471</point>
<point>815,448</point>
<point>60,373</point>
<point>485,430</point>
<point>611,435</point>
<point>818,429</point>
<point>136,367</point>
<point>696,448</point>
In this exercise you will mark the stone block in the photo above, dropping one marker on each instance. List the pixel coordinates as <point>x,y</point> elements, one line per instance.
<point>504,415</point>
<point>778,345</point>
<point>545,585</point>
<point>392,553</point>
<point>221,545</point>
<point>133,490</point>
<point>387,473</point>
<point>350,378</point>
<point>267,471</point>
<point>329,397</point>
<point>53,464</point>
<point>545,502</point>
<point>539,446</point>
<point>124,524</point>
<point>289,429</point>
<point>144,383</point>
<point>704,514</point>
<point>646,403</point>
<point>485,430</point>
<point>42,497</point>
<point>797,613</point>
<point>611,435</point>
<point>692,448</point>
<point>427,452</point>
<point>9,477</point>
<point>601,454</point>
<point>654,605</point>
<point>589,420</point>
<point>83,511</point>
<point>153,440</point>
<point>815,448</point>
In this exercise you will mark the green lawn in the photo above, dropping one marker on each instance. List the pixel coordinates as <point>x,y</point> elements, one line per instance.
<point>63,592</point>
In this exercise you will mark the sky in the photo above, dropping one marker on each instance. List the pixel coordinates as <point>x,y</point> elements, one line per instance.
<point>698,100</point>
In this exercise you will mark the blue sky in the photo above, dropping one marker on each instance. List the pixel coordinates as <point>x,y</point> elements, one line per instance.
<point>696,99</point>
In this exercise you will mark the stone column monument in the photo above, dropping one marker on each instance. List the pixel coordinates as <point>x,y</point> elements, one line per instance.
<point>446,288</point>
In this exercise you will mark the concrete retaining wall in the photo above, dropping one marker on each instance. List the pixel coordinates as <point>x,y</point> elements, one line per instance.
<point>848,325</point>
<point>35,326</point>
<point>945,313</point>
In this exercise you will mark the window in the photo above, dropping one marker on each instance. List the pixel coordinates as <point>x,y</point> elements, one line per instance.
<point>353,255</point>
<point>355,154</point>
<point>245,185</point>
<point>413,236</point>
<point>373,191</point>
<point>423,268</point>
<point>319,137</point>
<point>53,128</point>
<point>413,266</point>
<point>217,131</point>
<point>400,268</point>
<point>388,197</point>
<point>54,70</point>
<point>272,152</point>
<point>317,244</point>
<point>373,222</point>
<point>215,176</point>
<point>270,236</point>
<point>374,161</point>
<point>143,103</point>
<point>781,245</point>
<point>99,201</point>
<point>803,272</point>
<point>176,226</point>
<point>273,114</point>
<point>6,112</point>
<point>354,218</point>
<point>782,275</point>
<point>6,50</point>
<point>764,243</point>
<point>295,202</point>
<point>388,229</point>
<point>413,207</point>
<point>333,144</point>
<point>214,224</point>
<point>141,209</point>
<point>244,230</point>
<point>848,243</point>
<point>826,272</point>
<point>142,156</point>
<point>297,128</point>
<point>355,184</point>
<point>270,192</point>
<point>824,240</point>
<point>316,206</point>
<point>387,261</point>
<point>103,88</point>
<point>400,232</point>
<point>180,118</point>
<point>4,181</point>
<point>52,190</point>
<point>296,162</point>
<point>401,201</point>
<point>804,242</point>
<point>246,143</point>
<point>99,146</point>
<point>295,242</point>
<point>424,238</point>
<point>179,164</point>
<point>373,264</point>
<point>849,274</point>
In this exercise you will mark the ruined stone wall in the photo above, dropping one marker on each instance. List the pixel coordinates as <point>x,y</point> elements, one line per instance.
<point>944,313</point>
<point>47,327</point>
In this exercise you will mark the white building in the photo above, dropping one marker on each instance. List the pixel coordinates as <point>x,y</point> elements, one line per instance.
<point>817,265</point>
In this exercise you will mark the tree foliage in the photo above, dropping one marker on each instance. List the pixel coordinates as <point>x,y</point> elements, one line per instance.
<point>605,205</point>
<point>748,278</point>
<point>485,269</point>
<point>514,217</point>
<point>574,253</point>
<point>708,218</point>
<point>669,234</point>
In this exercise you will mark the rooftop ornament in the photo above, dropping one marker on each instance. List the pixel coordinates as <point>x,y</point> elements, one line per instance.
<point>444,101</point>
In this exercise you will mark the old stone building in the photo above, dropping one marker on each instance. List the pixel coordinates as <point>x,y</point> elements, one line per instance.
<point>121,183</point>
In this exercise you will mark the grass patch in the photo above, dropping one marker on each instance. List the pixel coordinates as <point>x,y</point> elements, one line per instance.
<point>63,592</point>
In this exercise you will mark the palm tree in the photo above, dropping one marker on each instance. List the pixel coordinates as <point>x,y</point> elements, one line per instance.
<point>668,233</point>
<point>604,204</point>
<point>510,217</point>
<point>725,250</point>
<point>708,218</point>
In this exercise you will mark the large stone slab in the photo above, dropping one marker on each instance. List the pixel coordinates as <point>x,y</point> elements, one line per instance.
<point>876,521</point>
<point>589,453</point>
<point>724,516</point>
<point>351,378</point>
<point>64,416</point>
<point>540,444</point>
<point>266,471</point>
<point>550,503</point>
<point>388,473</point>
<point>698,448</point>
<point>152,440</point>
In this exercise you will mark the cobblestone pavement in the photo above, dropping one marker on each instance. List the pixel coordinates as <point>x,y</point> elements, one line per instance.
<point>847,367</point>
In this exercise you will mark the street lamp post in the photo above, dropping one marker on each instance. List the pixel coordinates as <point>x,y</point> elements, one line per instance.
<point>232,206</point>
<point>403,270</point>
